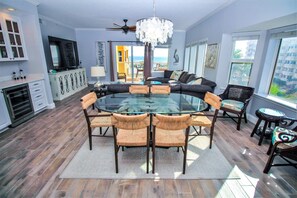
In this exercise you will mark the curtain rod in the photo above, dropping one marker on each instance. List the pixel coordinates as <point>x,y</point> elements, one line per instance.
<point>126,41</point>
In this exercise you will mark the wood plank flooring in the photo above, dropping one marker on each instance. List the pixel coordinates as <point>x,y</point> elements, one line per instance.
<point>34,154</point>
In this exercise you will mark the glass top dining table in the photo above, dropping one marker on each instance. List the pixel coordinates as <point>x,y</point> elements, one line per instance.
<point>173,103</point>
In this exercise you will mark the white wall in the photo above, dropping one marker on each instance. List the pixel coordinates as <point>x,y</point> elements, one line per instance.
<point>86,39</point>
<point>54,29</point>
<point>237,16</point>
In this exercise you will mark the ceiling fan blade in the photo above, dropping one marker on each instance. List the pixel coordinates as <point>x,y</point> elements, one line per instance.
<point>117,25</point>
<point>114,29</point>
<point>132,28</point>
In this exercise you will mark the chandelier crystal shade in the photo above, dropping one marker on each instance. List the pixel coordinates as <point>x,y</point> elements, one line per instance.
<point>154,30</point>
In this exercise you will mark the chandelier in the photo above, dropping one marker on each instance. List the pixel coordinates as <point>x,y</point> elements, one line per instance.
<point>154,30</point>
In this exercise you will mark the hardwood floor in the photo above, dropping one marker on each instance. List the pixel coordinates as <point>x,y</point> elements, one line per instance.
<point>34,154</point>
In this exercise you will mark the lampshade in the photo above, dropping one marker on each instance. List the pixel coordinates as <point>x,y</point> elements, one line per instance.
<point>97,71</point>
<point>154,30</point>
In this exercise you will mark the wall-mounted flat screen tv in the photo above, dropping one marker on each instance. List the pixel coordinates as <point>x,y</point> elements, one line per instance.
<point>64,53</point>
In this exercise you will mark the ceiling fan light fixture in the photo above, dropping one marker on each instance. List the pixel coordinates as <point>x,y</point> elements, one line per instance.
<point>154,30</point>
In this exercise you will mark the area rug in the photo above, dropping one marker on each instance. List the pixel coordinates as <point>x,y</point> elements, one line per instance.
<point>202,162</point>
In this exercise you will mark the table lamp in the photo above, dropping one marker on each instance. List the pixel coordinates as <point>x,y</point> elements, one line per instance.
<point>97,71</point>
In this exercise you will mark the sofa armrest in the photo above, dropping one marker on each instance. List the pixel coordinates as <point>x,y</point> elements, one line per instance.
<point>196,88</point>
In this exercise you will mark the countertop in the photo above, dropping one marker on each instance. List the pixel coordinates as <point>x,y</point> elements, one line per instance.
<point>11,83</point>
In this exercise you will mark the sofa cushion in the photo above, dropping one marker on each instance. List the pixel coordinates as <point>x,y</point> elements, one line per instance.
<point>208,83</point>
<point>183,77</point>
<point>197,81</point>
<point>160,79</point>
<point>191,77</point>
<point>195,88</point>
<point>167,73</point>
<point>175,75</point>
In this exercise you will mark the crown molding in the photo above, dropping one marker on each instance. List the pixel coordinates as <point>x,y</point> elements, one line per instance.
<point>42,17</point>
<point>34,2</point>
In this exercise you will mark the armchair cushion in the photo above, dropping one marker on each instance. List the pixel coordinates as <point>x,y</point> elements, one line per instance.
<point>233,104</point>
<point>289,137</point>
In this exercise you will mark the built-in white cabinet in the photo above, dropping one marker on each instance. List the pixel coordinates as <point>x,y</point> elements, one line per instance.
<point>38,95</point>
<point>4,116</point>
<point>66,83</point>
<point>12,44</point>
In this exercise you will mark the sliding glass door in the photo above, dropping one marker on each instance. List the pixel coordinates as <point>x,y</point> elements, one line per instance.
<point>130,63</point>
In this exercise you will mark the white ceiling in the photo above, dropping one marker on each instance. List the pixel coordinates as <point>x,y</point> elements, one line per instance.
<point>103,13</point>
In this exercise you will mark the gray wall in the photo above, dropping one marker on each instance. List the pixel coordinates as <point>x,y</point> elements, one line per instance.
<point>86,39</point>
<point>219,29</point>
<point>55,29</point>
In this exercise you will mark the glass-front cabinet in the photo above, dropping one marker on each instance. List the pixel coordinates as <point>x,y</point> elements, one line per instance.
<point>12,46</point>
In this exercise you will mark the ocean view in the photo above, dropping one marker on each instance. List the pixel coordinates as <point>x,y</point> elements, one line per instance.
<point>156,59</point>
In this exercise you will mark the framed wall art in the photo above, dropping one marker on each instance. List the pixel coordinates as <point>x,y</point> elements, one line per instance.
<point>212,55</point>
<point>100,53</point>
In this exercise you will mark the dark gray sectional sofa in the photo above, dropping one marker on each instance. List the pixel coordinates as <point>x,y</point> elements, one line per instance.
<point>179,86</point>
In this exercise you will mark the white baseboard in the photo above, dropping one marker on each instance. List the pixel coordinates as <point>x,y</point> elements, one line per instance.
<point>51,106</point>
<point>251,118</point>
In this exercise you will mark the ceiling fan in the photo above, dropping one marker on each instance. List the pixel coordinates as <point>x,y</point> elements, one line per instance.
<point>124,28</point>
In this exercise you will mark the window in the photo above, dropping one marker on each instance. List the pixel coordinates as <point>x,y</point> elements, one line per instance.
<point>160,60</point>
<point>194,58</point>
<point>243,54</point>
<point>187,58</point>
<point>284,79</point>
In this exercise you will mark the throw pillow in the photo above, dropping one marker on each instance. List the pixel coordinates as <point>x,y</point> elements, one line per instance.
<point>196,82</point>
<point>175,75</point>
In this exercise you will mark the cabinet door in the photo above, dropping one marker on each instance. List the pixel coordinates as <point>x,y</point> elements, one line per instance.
<point>4,116</point>
<point>13,46</point>
<point>3,44</point>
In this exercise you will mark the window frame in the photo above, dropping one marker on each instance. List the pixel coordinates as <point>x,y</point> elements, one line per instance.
<point>153,56</point>
<point>187,60</point>
<point>277,48</point>
<point>243,60</point>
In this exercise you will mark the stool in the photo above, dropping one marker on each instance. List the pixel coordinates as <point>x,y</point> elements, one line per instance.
<point>269,116</point>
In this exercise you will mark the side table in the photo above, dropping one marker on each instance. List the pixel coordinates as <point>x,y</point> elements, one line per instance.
<point>268,116</point>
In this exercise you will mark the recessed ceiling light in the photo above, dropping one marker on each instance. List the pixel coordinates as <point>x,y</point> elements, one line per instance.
<point>11,9</point>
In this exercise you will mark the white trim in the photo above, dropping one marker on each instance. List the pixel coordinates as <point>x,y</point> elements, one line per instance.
<point>285,105</point>
<point>34,2</point>
<point>51,106</point>
<point>42,17</point>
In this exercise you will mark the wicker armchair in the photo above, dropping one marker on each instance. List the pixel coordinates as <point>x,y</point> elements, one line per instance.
<point>139,89</point>
<point>168,131</point>
<point>160,89</point>
<point>94,120</point>
<point>283,144</point>
<point>201,119</point>
<point>131,131</point>
<point>235,100</point>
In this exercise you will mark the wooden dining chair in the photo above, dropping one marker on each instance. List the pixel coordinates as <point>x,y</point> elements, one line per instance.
<point>139,89</point>
<point>131,131</point>
<point>171,131</point>
<point>94,119</point>
<point>160,89</point>
<point>201,119</point>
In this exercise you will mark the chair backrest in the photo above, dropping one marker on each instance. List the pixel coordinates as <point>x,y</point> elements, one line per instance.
<point>130,122</point>
<point>88,99</point>
<point>160,89</point>
<point>238,92</point>
<point>213,100</point>
<point>172,122</point>
<point>139,89</point>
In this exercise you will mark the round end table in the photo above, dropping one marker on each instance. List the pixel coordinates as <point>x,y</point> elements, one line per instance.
<point>268,116</point>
